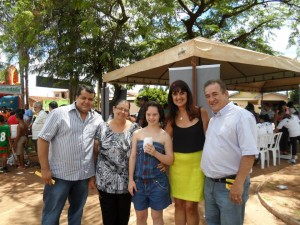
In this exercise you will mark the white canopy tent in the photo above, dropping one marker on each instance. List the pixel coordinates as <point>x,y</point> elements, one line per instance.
<point>241,69</point>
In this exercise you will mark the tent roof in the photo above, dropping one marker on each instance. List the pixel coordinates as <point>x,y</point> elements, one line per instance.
<point>241,69</point>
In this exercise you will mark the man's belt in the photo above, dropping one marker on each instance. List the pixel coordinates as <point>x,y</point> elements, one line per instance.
<point>223,179</point>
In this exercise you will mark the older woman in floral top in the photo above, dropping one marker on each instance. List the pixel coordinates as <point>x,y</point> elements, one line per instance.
<point>112,165</point>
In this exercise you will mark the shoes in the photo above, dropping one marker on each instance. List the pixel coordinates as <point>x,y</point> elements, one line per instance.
<point>292,161</point>
<point>3,170</point>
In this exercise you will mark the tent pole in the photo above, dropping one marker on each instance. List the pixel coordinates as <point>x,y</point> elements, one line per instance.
<point>103,98</point>
<point>194,80</point>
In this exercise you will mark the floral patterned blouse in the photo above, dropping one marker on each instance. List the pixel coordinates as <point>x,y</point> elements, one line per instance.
<point>113,159</point>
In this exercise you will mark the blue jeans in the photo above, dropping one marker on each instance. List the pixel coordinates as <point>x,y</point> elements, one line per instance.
<point>219,210</point>
<point>152,193</point>
<point>55,197</point>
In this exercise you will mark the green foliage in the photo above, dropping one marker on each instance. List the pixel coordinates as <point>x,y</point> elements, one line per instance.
<point>80,40</point>
<point>294,96</point>
<point>154,94</point>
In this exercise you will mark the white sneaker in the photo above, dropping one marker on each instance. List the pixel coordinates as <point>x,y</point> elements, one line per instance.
<point>293,161</point>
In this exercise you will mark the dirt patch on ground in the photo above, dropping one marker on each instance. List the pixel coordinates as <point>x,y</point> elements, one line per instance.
<point>284,203</point>
<point>21,198</point>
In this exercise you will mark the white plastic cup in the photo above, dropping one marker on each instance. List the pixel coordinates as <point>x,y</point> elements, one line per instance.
<point>147,140</point>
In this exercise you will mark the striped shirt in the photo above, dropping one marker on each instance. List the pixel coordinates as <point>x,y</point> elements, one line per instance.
<point>71,142</point>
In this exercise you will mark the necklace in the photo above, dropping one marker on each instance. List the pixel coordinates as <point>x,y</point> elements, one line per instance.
<point>180,118</point>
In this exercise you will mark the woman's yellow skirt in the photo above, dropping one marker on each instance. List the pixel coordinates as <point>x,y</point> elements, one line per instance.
<point>186,177</point>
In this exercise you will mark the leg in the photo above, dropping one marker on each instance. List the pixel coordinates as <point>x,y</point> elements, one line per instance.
<point>77,199</point>
<point>108,208</point>
<point>180,216</point>
<point>157,217</point>
<point>192,213</point>
<point>231,213</point>
<point>141,217</point>
<point>294,145</point>
<point>54,198</point>
<point>212,212</point>
<point>123,210</point>
<point>4,160</point>
<point>34,145</point>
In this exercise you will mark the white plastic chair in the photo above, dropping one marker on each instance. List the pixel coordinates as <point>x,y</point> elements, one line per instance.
<point>275,149</point>
<point>262,146</point>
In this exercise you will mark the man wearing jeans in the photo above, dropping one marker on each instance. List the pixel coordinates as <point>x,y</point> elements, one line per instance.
<point>228,155</point>
<point>65,150</point>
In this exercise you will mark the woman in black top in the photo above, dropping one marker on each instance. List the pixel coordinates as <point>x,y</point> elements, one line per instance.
<point>187,125</point>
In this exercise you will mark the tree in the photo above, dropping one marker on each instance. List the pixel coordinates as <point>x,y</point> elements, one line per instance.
<point>154,94</point>
<point>247,24</point>
<point>20,28</point>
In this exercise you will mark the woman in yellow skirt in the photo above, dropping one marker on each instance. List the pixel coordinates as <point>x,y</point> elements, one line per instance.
<point>187,125</point>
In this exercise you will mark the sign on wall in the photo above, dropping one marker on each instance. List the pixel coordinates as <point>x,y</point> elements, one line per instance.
<point>10,89</point>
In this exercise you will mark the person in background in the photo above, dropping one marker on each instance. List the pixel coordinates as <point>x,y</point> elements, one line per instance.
<point>228,156</point>
<point>142,102</point>
<point>65,152</point>
<point>292,123</point>
<point>266,109</point>
<point>148,185</point>
<point>4,143</point>
<point>38,123</point>
<point>28,115</point>
<point>250,108</point>
<point>53,105</point>
<point>187,125</point>
<point>20,139</point>
<point>12,120</point>
<point>292,108</point>
<point>112,151</point>
<point>282,112</point>
<point>5,113</point>
<point>264,126</point>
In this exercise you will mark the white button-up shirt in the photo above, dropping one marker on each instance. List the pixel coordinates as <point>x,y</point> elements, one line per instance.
<point>231,134</point>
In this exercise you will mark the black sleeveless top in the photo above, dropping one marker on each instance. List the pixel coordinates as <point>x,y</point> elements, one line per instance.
<point>189,139</point>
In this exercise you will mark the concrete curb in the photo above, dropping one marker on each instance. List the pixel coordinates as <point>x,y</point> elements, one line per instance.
<point>271,209</point>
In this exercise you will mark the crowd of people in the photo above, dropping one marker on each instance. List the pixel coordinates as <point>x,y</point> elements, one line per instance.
<point>19,129</point>
<point>282,117</point>
<point>169,153</point>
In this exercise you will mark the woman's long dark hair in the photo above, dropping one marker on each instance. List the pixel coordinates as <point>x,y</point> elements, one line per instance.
<point>192,110</point>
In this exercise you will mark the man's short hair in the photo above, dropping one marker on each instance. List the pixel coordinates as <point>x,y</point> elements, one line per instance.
<point>53,105</point>
<point>218,81</point>
<point>38,104</point>
<point>145,98</point>
<point>85,87</point>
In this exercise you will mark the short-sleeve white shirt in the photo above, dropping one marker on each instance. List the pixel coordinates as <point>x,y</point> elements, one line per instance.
<point>292,124</point>
<point>231,134</point>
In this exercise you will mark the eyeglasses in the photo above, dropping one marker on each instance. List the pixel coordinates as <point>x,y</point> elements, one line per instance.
<point>122,109</point>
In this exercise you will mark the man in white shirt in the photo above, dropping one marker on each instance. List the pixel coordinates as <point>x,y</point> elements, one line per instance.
<point>38,122</point>
<point>228,156</point>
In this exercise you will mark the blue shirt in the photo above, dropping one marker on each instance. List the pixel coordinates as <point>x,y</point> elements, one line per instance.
<point>231,134</point>
<point>71,142</point>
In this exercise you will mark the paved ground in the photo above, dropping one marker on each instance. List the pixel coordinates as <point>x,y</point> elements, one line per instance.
<point>21,199</point>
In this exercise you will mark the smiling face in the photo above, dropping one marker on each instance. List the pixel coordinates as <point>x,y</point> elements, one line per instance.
<point>152,115</point>
<point>179,98</point>
<point>215,97</point>
<point>121,110</point>
<point>84,101</point>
